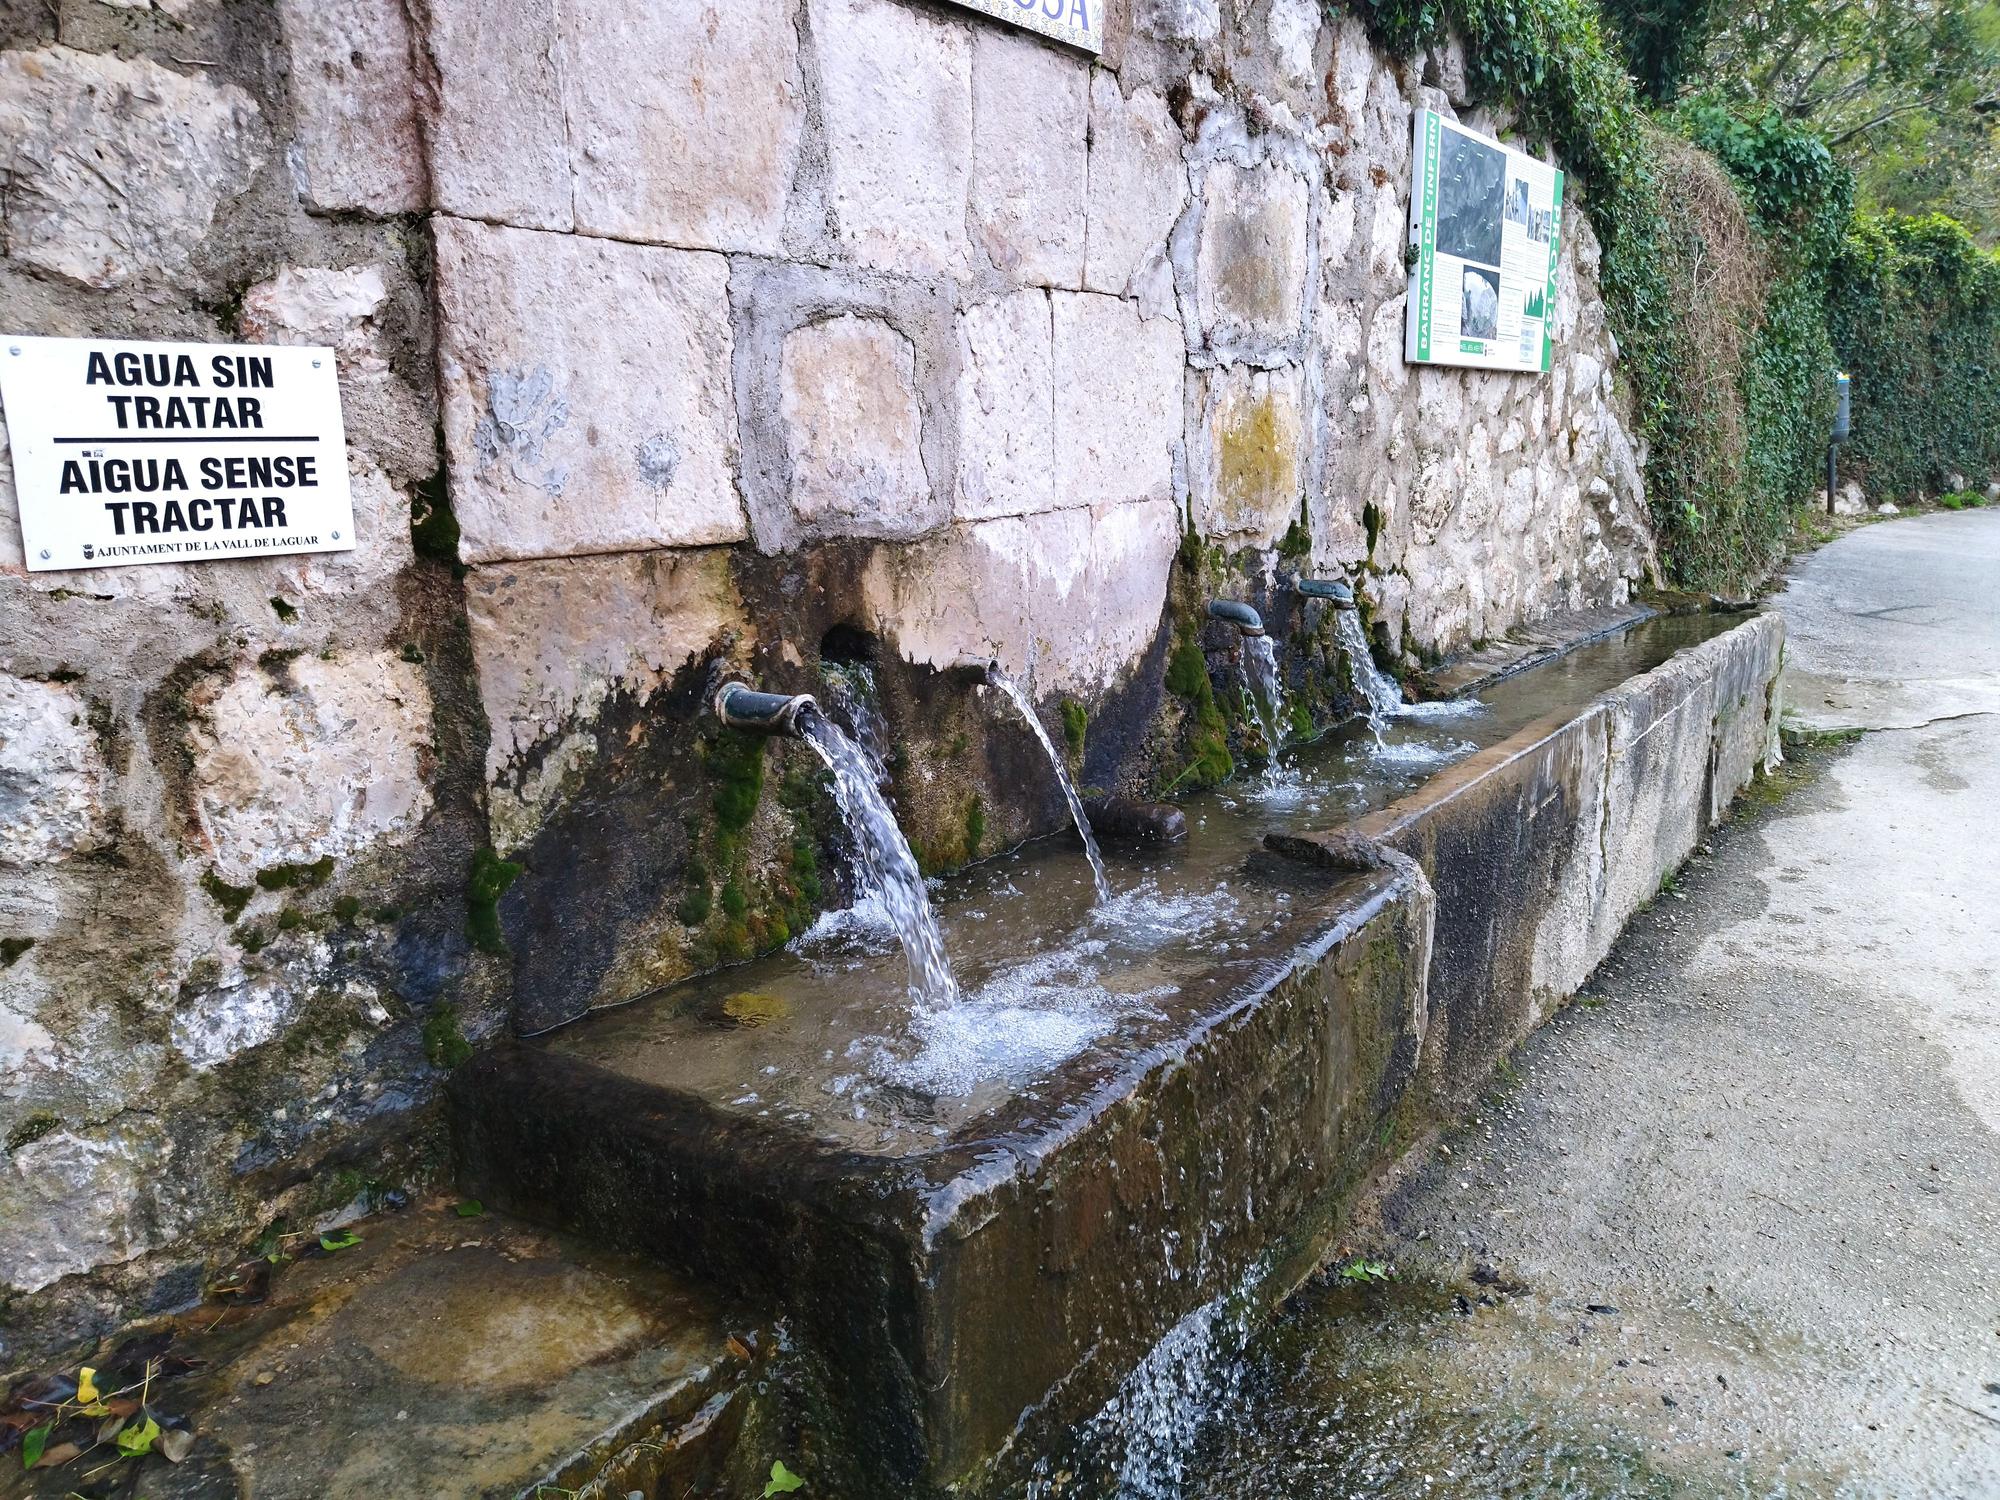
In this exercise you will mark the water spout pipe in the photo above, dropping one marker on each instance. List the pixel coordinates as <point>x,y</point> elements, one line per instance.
<point>1338,594</point>
<point>741,706</point>
<point>1242,616</point>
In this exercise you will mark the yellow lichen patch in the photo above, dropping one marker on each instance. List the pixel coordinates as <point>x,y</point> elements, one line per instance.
<point>1258,456</point>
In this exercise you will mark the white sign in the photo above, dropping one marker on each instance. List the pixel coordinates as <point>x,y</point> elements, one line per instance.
<point>1485,223</point>
<point>130,452</point>
<point>1078,22</point>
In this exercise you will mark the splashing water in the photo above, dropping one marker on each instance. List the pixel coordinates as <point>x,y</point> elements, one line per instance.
<point>1385,699</point>
<point>1020,701</point>
<point>888,869</point>
<point>850,687</point>
<point>1267,692</point>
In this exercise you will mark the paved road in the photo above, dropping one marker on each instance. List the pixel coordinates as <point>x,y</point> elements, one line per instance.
<point>1733,1224</point>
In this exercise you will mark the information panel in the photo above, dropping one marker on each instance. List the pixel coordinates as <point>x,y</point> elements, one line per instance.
<point>1485,225</point>
<point>1078,22</point>
<point>128,452</point>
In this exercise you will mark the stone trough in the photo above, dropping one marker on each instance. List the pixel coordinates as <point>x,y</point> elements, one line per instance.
<point>965,1294</point>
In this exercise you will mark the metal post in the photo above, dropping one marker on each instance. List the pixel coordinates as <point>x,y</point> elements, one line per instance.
<point>1832,474</point>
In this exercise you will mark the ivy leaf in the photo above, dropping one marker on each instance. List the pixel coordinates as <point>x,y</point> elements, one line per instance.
<point>35,1443</point>
<point>783,1481</point>
<point>345,1239</point>
<point>471,1208</point>
<point>137,1442</point>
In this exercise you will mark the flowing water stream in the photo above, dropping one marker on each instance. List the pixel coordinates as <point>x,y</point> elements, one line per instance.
<point>1020,701</point>
<point>888,868</point>
<point>1267,693</point>
<point>1384,698</point>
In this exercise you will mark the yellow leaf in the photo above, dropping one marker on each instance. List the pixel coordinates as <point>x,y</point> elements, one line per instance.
<point>86,1385</point>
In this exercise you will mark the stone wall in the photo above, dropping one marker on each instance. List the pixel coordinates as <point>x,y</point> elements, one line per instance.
<point>679,341</point>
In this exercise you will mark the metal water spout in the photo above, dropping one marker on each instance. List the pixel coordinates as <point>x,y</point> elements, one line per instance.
<point>741,706</point>
<point>1339,595</point>
<point>1242,616</point>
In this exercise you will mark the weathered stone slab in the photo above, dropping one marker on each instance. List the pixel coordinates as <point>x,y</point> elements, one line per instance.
<point>854,430</point>
<point>1030,108</point>
<point>492,105</point>
<point>1138,183</point>
<point>1252,481</point>
<point>116,167</point>
<point>546,668</point>
<point>354,91</point>
<point>684,120</point>
<point>1250,275</point>
<point>53,780</point>
<point>597,420</point>
<point>1006,409</point>
<point>1072,596</point>
<point>1118,418</point>
<point>310,758</point>
<point>896,96</point>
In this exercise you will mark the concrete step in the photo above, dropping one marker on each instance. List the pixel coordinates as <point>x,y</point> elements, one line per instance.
<point>441,1356</point>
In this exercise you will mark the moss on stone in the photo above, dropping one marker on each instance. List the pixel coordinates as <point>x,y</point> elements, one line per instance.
<point>433,527</point>
<point>38,1124</point>
<point>1206,733</point>
<point>346,909</point>
<point>975,826</point>
<point>290,919</point>
<point>305,876</point>
<point>12,948</point>
<point>735,904</point>
<point>1371,521</point>
<point>735,763</point>
<point>1076,725</point>
<point>445,1045</point>
<point>487,883</point>
<point>284,609</point>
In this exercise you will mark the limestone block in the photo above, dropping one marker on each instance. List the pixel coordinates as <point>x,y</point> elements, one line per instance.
<point>1250,271</point>
<point>91,1182</point>
<point>115,167</point>
<point>219,1024</point>
<point>545,667</point>
<point>53,780</point>
<point>493,110</point>
<point>1138,183</point>
<point>1338,217</point>
<point>1006,410</point>
<point>1388,234</point>
<point>1385,345</point>
<point>853,431</point>
<point>1068,600</point>
<point>1179,20</point>
<point>896,96</point>
<point>1117,400</point>
<point>1253,479</point>
<point>684,120</point>
<point>1294,30</point>
<point>354,98</point>
<point>597,420</point>
<point>320,757</point>
<point>318,305</point>
<point>1355,64</point>
<point>1030,115</point>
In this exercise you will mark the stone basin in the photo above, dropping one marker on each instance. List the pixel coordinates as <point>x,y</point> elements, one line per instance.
<point>975,1260</point>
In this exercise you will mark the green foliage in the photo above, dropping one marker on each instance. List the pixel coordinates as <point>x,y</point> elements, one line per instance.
<point>1786,171</point>
<point>783,1481</point>
<point>445,1045</point>
<point>735,762</point>
<point>1914,308</point>
<point>487,883</point>
<point>1206,735</point>
<point>1662,40</point>
<point>339,1239</point>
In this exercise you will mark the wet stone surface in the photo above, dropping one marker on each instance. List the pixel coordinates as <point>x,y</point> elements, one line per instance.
<point>441,1355</point>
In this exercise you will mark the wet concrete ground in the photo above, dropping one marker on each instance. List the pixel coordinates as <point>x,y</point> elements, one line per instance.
<point>1730,1225</point>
